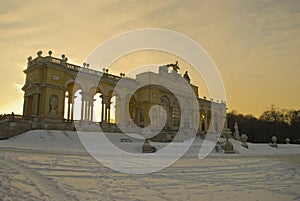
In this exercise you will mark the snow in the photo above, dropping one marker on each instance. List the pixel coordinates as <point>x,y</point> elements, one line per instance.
<point>54,165</point>
<point>45,141</point>
<point>68,141</point>
<point>265,149</point>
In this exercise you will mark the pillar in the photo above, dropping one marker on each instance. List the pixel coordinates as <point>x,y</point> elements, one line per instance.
<point>69,106</point>
<point>25,106</point>
<point>108,116</point>
<point>72,111</point>
<point>105,107</point>
<point>102,110</point>
<point>86,110</point>
<point>35,104</point>
<point>92,111</point>
<point>120,111</point>
<point>82,107</point>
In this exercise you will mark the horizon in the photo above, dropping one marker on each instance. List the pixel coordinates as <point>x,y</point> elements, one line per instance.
<point>254,44</point>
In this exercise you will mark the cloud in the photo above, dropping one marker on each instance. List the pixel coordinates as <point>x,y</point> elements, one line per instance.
<point>254,43</point>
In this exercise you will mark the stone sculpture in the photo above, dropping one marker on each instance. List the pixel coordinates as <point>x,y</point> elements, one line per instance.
<point>244,138</point>
<point>53,105</point>
<point>227,146</point>
<point>147,148</point>
<point>236,133</point>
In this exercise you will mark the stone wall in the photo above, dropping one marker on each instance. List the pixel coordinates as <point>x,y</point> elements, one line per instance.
<point>13,125</point>
<point>12,128</point>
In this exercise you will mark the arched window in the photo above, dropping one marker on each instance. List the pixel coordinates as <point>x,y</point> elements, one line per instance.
<point>165,101</point>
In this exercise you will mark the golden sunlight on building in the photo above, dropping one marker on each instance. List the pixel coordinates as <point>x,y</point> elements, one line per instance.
<point>63,96</point>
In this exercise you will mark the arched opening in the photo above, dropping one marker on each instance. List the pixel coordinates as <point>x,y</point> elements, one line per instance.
<point>72,97</point>
<point>77,107</point>
<point>202,120</point>
<point>97,109</point>
<point>95,102</point>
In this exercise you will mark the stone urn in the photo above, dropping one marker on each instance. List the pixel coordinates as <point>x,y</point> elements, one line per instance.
<point>226,132</point>
<point>147,148</point>
<point>227,146</point>
<point>244,138</point>
<point>274,142</point>
<point>287,140</point>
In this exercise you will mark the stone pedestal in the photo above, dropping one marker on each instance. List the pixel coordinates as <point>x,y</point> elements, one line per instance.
<point>244,138</point>
<point>147,148</point>
<point>245,145</point>
<point>274,142</point>
<point>227,146</point>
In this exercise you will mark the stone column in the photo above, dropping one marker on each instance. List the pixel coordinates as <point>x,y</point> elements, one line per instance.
<point>86,110</point>
<point>120,111</point>
<point>108,115</point>
<point>35,103</point>
<point>25,106</point>
<point>102,111</point>
<point>72,111</point>
<point>102,108</point>
<point>82,107</point>
<point>117,110</point>
<point>92,111</point>
<point>105,113</point>
<point>91,108</point>
<point>106,105</point>
<point>119,115</point>
<point>69,111</point>
<point>32,104</point>
<point>69,106</point>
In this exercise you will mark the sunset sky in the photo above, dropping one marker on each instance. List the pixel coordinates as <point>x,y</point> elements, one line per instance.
<point>255,44</point>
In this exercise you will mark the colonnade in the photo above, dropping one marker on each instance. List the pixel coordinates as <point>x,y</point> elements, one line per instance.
<point>207,121</point>
<point>87,106</point>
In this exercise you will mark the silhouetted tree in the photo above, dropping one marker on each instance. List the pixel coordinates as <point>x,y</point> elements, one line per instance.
<point>280,122</point>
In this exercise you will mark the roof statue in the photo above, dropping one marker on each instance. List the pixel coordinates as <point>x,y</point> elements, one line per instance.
<point>174,66</point>
<point>55,108</point>
<point>187,77</point>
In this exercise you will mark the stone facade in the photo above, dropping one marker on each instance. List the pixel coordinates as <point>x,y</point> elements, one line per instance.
<point>51,83</point>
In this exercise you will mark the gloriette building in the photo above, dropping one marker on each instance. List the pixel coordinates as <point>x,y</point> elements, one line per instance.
<point>60,95</point>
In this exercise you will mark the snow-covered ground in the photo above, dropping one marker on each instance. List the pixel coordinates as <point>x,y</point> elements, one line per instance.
<point>54,165</point>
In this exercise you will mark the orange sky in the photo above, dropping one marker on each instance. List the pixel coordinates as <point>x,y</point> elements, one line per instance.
<point>255,44</point>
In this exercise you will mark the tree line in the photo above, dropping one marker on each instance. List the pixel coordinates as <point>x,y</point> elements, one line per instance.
<point>283,123</point>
